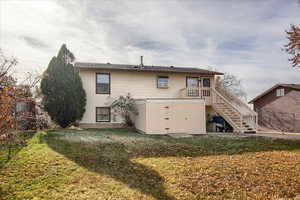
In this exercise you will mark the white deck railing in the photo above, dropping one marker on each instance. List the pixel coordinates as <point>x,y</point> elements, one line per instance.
<point>195,92</point>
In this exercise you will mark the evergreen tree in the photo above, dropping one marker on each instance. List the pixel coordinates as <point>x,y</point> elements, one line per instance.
<point>63,95</point>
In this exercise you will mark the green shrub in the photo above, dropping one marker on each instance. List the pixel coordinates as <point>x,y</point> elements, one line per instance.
<point>63,95</point>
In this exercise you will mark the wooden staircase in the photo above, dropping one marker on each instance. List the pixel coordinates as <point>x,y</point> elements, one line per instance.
<point>234,111</point>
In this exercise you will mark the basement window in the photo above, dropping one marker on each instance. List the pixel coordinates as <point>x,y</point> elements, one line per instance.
<point>162,82</point>
<point>102,114</point>
<point>280,92</point>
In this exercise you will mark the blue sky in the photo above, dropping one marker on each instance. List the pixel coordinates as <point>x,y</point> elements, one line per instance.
<point>239,37</point>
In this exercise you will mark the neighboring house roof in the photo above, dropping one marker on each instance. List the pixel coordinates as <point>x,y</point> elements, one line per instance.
<point>292,86</point>
<point>145,68</point>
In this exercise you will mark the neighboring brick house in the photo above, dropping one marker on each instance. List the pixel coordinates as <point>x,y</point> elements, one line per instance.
<point>279,107</point>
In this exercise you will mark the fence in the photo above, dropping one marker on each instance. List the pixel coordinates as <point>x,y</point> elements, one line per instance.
<point>19,111</point>
<point>282,121</point>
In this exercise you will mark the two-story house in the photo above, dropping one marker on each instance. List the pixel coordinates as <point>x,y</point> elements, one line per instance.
<point>169,99</point>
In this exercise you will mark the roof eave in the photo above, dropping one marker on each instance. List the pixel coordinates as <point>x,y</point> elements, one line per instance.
<point>158,71</point>
<point>271,89</point>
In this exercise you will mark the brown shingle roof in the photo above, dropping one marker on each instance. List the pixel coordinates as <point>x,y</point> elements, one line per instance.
<point>293,86</point>
<point>145,68</point>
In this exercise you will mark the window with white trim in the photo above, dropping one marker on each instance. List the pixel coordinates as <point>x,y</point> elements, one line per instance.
<point>162,82</point>
<point>280,92</point>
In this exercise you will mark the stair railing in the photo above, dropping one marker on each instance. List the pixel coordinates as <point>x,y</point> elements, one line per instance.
<point>251,120</point>
<point>249,117</point>
<point>226,93</point>
<point>218,98</point>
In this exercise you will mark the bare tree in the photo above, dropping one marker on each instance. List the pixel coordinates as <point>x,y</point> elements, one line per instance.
<point>293,47</point>
<point>32,79</point>
<point>6,67</point>
<point>11,94</point>
<point>233,84</point>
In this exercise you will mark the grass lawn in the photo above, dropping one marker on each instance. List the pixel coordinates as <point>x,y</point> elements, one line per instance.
<point>122,164</point>
<point>7,153</point>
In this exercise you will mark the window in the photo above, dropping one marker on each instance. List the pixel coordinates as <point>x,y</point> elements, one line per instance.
<point>102,114</point>
<point>206,82</point>
<point>162,82</point>
<point>102,83</point>
<point>22,107</point>
<point>192,82</point>
<point>280,92</point>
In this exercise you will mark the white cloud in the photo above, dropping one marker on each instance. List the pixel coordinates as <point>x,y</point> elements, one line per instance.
<point>240,37</point>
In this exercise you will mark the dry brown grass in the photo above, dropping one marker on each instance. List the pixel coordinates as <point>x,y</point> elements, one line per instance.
<point>261,175</point>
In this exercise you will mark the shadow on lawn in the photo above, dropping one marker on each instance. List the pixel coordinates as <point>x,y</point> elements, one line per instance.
<point>111,153</point>
<point>112,159</point>
<point>10,149</point>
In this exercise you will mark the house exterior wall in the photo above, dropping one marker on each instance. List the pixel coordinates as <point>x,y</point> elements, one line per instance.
<point>139,84</point>
<point>286,109</point>
<point>140,119</point>
<point>272,102</point>
<point>164,116</point>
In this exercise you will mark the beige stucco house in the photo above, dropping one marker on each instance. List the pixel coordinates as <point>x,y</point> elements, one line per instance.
<point>169,99</point>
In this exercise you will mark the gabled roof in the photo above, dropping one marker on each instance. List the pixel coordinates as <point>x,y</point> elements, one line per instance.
<point>292,86</point>
<point>145,68</point>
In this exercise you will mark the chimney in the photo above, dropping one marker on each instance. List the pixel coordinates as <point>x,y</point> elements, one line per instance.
<point>142,64</point>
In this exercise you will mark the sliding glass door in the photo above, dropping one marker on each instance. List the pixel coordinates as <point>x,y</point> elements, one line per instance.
<point>192,86</point>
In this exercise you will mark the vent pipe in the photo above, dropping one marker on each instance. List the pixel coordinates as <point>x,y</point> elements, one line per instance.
<point>142,64</point>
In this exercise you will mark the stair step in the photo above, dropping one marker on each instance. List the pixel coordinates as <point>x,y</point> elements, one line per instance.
<point>236,118</point>
<point>225,107</point>
<point>232,114</point>
<point>250,132</point>
<point>222,106</point>
<point>229,112</point>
